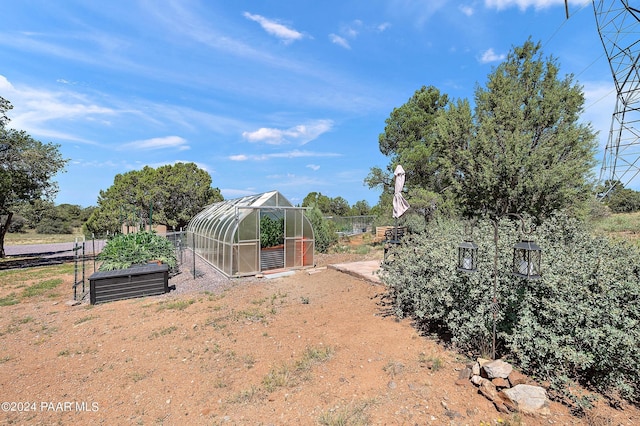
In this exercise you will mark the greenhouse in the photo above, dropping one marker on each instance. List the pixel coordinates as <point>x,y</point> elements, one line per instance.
<point>252,234</point>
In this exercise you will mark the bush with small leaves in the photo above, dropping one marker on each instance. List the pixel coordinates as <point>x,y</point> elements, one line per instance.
<point>579,322</point>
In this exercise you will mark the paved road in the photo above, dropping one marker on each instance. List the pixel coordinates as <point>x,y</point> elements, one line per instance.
<point>54,249</point>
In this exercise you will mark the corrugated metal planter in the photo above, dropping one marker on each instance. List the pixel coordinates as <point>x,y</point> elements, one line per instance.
<point>136,281</point>
<point>272,257</point>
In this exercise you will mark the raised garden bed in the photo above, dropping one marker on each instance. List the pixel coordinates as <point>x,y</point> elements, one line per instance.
<point>135,281</point>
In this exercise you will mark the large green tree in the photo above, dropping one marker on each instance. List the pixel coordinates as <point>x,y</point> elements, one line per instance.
<point>172,194</point>
<point>425,136</point>
<point>316,199</point>
<point>521,150</point>
<point>360,208</point>
<point>531,154</point>
<point>26,169</point>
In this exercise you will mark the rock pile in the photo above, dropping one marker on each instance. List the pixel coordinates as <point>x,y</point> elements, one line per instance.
<point>509,390</point>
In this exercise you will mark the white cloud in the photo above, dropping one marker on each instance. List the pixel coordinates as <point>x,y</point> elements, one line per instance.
<point>300,134</point>
<point>419,11</point>
<point>290,154</point>
<point>287,176</point>
<point>490,56</point>
<point>340,41</point>
<point>313,167</point>
<point>352,31</point>
<point>4,83</point>
<point>238,157</point>
<point>64,81</point>
<point>382,27</point>
<point>286,34</point>
<point>157,143</point>
<point>466,10</point>
<point>524,4</point>
<point>39,111</point>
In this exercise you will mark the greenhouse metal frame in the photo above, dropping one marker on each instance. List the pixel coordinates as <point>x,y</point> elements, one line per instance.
<point>227,235</point>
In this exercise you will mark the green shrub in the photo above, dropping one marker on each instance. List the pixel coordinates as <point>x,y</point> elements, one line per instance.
<point>17,224</point>
<point>125,250</point>
<point>324,231</point>
<point>53,226</point>
<point>271,231</point>
<point>579,322</point>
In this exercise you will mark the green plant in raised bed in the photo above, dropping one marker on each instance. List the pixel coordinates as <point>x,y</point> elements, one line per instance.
<point>271,231</point>
<point>127,250</point>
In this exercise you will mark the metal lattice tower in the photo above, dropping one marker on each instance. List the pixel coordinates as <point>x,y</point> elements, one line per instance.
<point>619,28</point>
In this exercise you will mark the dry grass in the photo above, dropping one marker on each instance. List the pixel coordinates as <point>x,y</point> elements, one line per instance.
<point>31,237</point>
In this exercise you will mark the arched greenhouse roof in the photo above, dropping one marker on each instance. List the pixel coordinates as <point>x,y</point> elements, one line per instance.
<point>230,235</point>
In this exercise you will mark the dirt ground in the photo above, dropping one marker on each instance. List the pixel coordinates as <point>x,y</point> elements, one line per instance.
<point>304,349</point>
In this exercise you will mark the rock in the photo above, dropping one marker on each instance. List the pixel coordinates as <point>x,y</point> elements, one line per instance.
<point>477,380</point>
<point>497,368</point>
<point>499,382</point>
<point>453,414</point>
<point>488,389</point>
<point>490,392</point>
<point>517,378</point>
<point>73,302</point>
<point>465,373</point>
<point>507,402</point>
<point>529,399</point>
<point>483,361</point>
<point>476,369</point>
<point>392,385</point>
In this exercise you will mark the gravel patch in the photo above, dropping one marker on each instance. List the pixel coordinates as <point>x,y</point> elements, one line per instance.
<point>207,278</point>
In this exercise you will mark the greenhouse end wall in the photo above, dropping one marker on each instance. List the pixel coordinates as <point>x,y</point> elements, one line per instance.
<point>227,235</point>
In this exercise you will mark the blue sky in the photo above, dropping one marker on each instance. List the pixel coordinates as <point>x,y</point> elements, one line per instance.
<point>278,95</point>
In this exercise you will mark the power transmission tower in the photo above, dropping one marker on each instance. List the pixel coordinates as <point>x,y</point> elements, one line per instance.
<point>619,28</point>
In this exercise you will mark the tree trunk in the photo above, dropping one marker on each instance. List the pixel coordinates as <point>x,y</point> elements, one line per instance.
<point>3,231</point>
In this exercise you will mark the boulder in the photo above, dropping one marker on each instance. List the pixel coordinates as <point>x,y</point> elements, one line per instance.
<point>490,392</point>
<point>497,368</point>
<point>499,382</point>
<point>517,378</point>
<point>529,399</point>
<point>465,373</point>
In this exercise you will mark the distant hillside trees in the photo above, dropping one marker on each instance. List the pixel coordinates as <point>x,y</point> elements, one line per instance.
<point>47,218</point>
<point>360,208</point>
<point>172,194</point>
<point>522,149</point>
<point>337,206</point>
<point>621,199</point>
<point>27,167</point>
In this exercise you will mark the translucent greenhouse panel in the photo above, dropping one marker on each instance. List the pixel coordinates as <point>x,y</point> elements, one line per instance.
<point>307,252</point>
<point>292,257</point>
<point>211,250</point>
<point>248,228</point>
<point>217,257</point>
<point>248,255</point>
<point>307,229</point>
<point>293,223</point>
<point>225,259</point>
<point>234,260</point>
<point>268,199</point>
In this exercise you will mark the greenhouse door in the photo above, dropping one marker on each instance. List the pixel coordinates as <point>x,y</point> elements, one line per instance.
<point>271,239</point>
<point>293,239</point>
